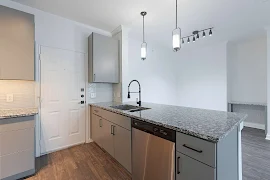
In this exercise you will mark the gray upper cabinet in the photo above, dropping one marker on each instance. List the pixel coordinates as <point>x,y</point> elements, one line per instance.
<point>17,36</point>
<point>103,59</point>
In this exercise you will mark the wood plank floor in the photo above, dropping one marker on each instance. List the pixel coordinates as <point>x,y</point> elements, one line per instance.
<point>83,162</point>
<point>256,155</point>
<point>89,162</point>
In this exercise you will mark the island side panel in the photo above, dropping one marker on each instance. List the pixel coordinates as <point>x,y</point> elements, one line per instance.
<point>227,157</point>
<point>240,160</point>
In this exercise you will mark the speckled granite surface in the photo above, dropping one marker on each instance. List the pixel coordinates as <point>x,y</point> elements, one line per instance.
<point>205,124</point>
<point>13,113</point>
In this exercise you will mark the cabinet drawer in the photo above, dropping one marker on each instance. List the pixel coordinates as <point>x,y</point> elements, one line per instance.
<point>196,148</point>
<point>17,163</point>
<point>14,124</point>
<point>97,111</point>
<point>16,141</point>
<point>120,120</point>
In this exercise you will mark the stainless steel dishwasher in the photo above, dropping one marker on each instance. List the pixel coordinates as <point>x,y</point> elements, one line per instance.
<point>153,152</point>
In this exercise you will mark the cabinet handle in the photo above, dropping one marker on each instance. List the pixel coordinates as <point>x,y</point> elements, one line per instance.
<point>178,165</point>
<point>96,111</point>
<point>100,123</point>
<point>199,151</point>
<point>113,130</point>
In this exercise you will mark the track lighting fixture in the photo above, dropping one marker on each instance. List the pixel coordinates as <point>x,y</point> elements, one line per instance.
<point>196,35</point>
<point>144,44</point>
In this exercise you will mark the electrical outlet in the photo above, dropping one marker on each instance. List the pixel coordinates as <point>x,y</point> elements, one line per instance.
<point>9,98</point>
<point>93,95</point>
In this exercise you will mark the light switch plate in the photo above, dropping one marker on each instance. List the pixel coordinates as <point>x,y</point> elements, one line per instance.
<point>9,97</point>
<point>93,95</point>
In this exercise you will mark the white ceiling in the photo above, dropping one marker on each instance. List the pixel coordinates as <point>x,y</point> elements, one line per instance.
<point>232,19</point>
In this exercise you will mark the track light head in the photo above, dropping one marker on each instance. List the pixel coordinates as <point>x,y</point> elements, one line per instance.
<point>183,41</point>
<point>204,34</point>
<point>210,32</point>
<point>194,39</point>
<point>188,40</point>
<point>198,36</point>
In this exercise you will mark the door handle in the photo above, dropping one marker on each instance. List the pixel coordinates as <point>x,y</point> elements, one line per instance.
<point>82,102</point>
<point>178,165</point>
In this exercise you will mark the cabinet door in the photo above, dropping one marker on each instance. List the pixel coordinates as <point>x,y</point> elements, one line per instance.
<point>96,128</point>
<point>16,45</point>
<point>190,169</point>
<point>122,146</point>
<point>105,59</point>
<point>107,138</point>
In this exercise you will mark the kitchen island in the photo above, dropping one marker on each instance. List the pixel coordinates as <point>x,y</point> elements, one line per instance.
<point>213,137</point>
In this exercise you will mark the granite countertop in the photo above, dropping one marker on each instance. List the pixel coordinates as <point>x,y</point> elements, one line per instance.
<point>209,125</point>
<point>13,113</point>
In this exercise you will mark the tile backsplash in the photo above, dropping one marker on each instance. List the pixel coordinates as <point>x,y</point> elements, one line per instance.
<point>103,91</point>
<point>24,94</point>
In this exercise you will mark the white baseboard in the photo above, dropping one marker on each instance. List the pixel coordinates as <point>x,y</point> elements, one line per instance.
<point>89,140</point>
<point>254,125</point>
<point>268,137</point>
<point>62,148</point>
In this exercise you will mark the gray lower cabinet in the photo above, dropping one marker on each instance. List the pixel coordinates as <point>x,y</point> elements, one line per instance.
<point>96,129</point>
<point>122,146</point>
<point>190,169</point>
<point>107,137</point>
<point>113,138</point>
<point>17,147</point>
<point>198,159</point>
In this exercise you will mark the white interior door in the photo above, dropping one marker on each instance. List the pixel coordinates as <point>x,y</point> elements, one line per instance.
<point>62,91</point>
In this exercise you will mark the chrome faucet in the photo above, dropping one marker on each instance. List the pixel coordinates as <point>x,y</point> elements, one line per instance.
<point>138,102</point>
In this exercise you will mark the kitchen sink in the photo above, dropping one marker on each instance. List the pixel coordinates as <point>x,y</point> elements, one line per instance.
<point>130,108</point>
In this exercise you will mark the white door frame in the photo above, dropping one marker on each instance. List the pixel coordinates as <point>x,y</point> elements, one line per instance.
<point>38,97</point>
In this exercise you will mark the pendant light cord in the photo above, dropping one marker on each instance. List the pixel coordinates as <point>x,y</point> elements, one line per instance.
<point>176,15</point>
<point>143,30</point>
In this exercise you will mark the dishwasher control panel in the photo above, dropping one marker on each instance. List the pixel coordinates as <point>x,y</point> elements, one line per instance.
<point>156,130</point>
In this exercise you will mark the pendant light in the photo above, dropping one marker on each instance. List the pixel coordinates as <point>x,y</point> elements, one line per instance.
<point>176,35</point>
<point>144,44</point>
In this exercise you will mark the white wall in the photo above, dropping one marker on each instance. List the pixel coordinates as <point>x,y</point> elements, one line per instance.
<point>156,74</point>
<point>268,84</point>
<point>23,94</point>
<point>247,70</point>
<point>202,77</point>
<point>195,78</point>
<point>58,32</point>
